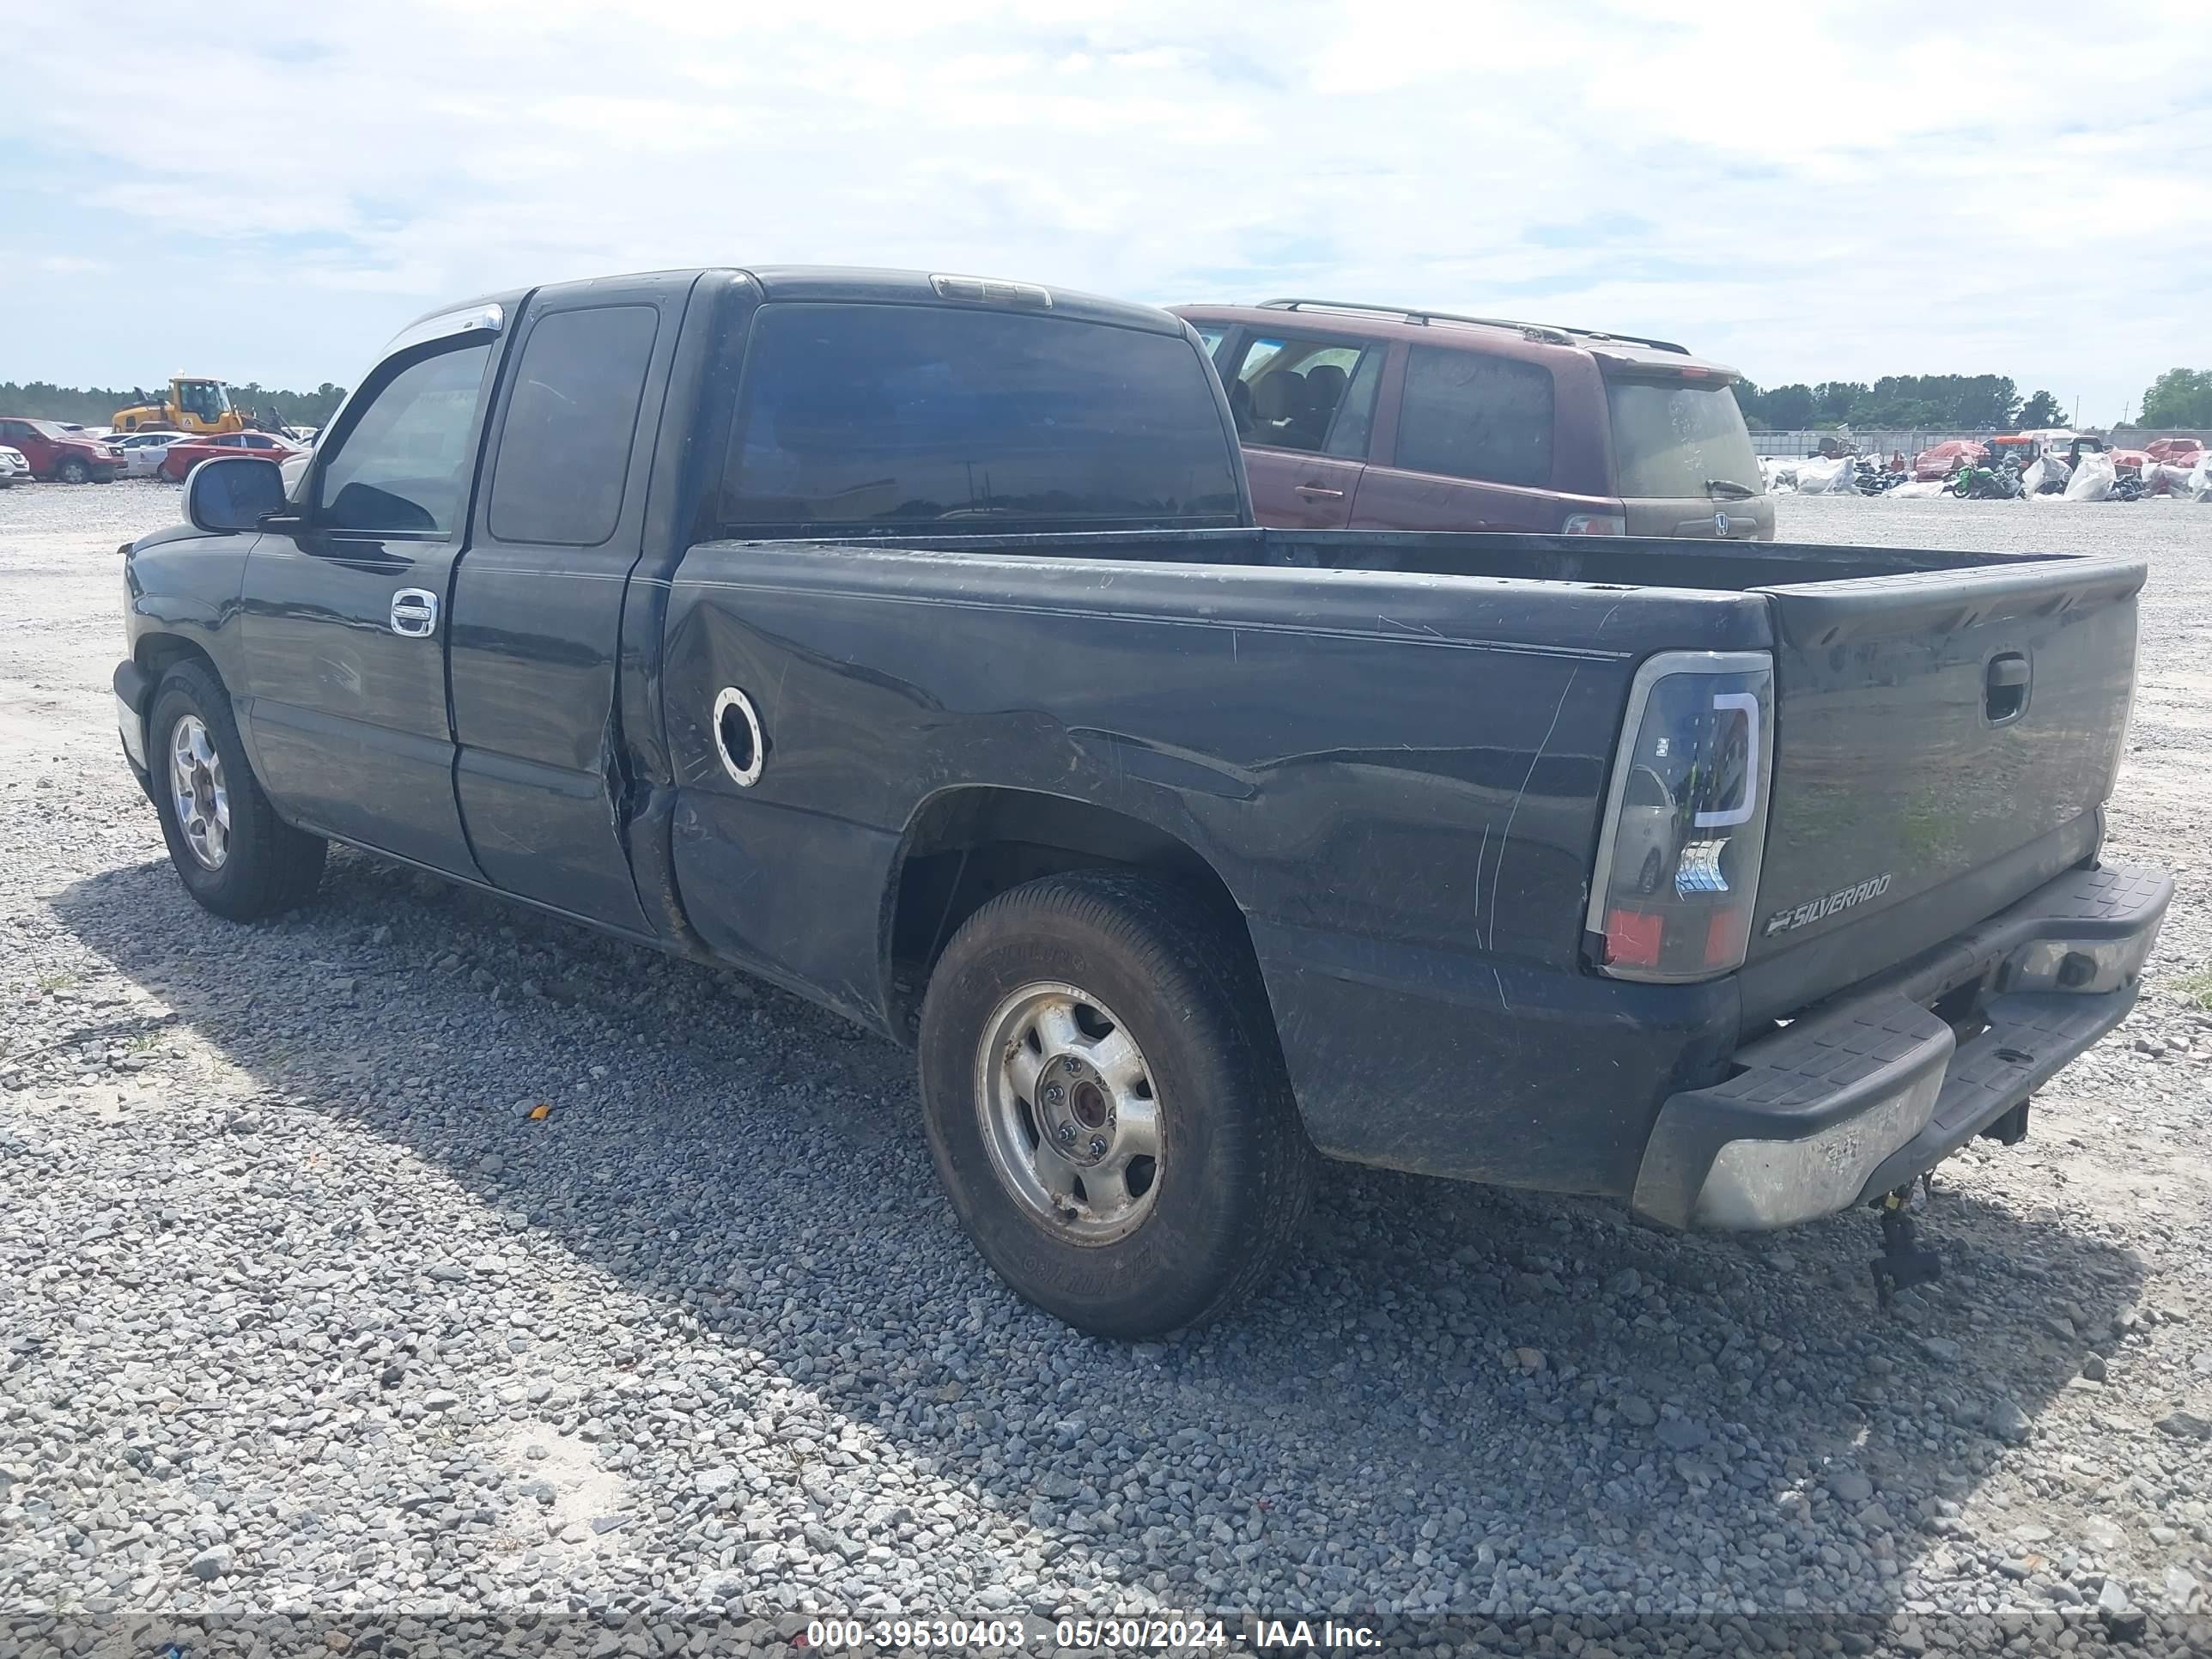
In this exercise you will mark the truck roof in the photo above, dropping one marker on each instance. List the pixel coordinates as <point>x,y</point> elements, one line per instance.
<point>861,285</point>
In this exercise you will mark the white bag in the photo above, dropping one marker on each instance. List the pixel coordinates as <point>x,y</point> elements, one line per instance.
<point>1818,478</point>
<point>2200,478</point>
<point>1917,491</point>
<point>2092,478</point>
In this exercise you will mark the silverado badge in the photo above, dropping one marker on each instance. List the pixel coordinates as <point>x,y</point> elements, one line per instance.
<point>1827,904</point>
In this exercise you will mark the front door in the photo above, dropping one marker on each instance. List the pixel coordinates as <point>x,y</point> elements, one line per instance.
<point>1304,408</point>
<point>345,614</point>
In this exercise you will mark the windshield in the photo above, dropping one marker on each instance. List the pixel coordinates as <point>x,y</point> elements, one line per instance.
<point>1672,438</point>
<point>202,397</point>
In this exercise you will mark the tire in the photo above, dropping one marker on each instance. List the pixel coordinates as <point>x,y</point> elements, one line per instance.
<point>265,865</point>
<point>1234,1173</point>
<point>73,471</point>
<point>1647,879</point>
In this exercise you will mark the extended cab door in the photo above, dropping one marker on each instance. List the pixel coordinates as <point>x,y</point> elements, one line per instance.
<point>537,605</point>
<point>1304,408</point>
<point>344,607</point>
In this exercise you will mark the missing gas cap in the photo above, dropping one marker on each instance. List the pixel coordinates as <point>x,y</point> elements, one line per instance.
<point>738,736</point>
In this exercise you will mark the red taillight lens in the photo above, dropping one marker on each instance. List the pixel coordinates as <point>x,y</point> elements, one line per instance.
<point>1633,939</point>
<point>1686,827</point>
<point>1594,524</point>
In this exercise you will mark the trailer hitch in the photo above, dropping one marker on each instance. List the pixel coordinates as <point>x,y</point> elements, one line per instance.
<point>1902,1264</point>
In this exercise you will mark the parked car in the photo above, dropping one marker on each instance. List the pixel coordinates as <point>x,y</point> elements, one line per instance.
<point>940,676</point>
<point>52,452</point>
<point>142,452</point>
<point>14,467</point>
<point>293,467</point>
<point>1368,417</point>
<point>182,456</point>
<point>1941,460</point>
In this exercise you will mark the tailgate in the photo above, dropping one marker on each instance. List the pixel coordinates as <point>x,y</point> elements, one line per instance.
<point>1926,727</point>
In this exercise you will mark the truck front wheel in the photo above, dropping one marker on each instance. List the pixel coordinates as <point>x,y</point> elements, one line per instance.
<point>1106,1104</point>
<point>231,850</point>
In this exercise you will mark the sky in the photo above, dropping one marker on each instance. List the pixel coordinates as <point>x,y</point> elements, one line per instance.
<point>1806,192</point>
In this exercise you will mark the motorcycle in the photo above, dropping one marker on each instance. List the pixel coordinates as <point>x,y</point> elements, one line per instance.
<point>1986,483</point>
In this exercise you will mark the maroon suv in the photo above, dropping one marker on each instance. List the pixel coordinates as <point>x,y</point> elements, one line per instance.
<point>1371,418</point>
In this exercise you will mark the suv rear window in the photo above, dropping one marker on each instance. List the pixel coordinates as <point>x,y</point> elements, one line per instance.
<point>1671,437</point>
<point>1468,415</point>
<point>905,415</point>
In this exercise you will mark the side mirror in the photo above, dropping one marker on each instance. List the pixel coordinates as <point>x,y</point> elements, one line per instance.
<point>231,493</point>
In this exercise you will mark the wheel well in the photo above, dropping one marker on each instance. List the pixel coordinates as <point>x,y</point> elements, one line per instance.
<point>157,654</point>
<point>967,846</point>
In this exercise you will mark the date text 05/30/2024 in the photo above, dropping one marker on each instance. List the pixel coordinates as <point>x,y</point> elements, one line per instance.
<point>1012,1634</point>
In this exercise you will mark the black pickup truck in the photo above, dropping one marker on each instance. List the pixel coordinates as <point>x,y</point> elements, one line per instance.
<point>906,640</point>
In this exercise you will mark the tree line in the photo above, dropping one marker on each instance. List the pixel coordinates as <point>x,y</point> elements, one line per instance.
<point>1955,402</point>
<point>42,400</point>
<point>1968,403</point>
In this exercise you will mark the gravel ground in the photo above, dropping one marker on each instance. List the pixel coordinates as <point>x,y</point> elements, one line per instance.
<point>303,1310</point>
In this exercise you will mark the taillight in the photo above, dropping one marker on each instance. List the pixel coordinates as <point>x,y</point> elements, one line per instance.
<point>1685,820</point>
<point>1594,523</point>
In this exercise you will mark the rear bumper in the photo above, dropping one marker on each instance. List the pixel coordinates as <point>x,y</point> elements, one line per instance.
<point>1872,1088</point>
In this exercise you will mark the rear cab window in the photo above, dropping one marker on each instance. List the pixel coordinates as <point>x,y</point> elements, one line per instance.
<point>890,415</point>
<point>1470,414</point>
<point>564,445</point>
<point>1673,438</point>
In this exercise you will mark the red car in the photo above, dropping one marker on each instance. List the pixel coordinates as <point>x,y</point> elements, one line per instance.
<point>55,452</point>
<point>2174,452</point>
<point>179,458</point>
<point>1941,460</point>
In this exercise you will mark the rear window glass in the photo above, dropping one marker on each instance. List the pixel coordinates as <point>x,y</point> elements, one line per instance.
<point>1672,438</point>
<point>564,450</point>
<point>906,415</point>
<point>1470,415</point>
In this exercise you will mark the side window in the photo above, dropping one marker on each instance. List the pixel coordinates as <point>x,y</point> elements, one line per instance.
<point>1210,334</point>
<point>1289,394</point>
<point>405,465</point>
<point>564,447</point>
<point>1468,415</point>
<point>1356,419</point>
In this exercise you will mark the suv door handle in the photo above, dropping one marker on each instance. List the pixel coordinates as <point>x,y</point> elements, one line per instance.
<point>1319,490</point>
<point>415,612</point>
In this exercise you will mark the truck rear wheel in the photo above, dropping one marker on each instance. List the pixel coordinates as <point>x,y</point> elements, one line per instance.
<point>1106,1104</point>
<point>231,850</point>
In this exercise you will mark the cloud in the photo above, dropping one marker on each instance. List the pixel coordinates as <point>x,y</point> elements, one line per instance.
<point>1804,192</point>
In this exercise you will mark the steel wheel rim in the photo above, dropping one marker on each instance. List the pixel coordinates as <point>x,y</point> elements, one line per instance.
<point>198,793</point>
<point>1069,1113</point>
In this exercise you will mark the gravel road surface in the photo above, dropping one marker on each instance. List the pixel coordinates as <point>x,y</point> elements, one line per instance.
<point>306,1307</point>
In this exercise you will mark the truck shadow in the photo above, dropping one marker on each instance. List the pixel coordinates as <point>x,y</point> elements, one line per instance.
<point>1587,1396</point>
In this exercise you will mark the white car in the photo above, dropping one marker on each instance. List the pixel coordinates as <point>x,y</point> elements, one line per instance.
<point>14,469</point>
<point>142,452</point>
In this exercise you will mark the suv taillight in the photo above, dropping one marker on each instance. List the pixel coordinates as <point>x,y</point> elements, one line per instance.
<point>1594,523</point>
<point>1685,827</point>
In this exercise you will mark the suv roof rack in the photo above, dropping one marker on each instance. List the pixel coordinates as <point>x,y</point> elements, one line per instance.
<point>1560,335</point>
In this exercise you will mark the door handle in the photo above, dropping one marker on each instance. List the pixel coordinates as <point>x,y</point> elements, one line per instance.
<point>415,612</point>
<point>1323,490</point>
